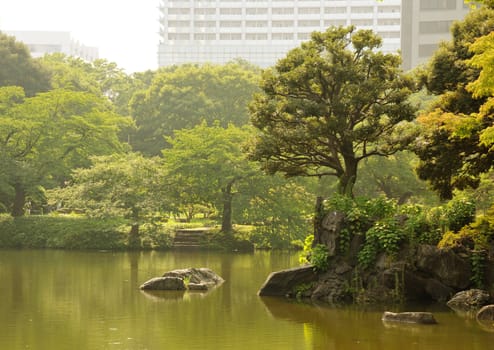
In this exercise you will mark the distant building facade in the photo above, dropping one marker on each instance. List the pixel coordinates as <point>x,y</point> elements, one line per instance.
<point>261,32</point>
<point>425,23</point>
<point>47,42</point>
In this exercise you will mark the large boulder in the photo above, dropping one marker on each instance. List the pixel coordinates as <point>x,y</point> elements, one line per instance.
<point>283,283</point>
<point>469,300</point>
<point>444,265</point>
<point>200,279</point>
<point>409,317</point>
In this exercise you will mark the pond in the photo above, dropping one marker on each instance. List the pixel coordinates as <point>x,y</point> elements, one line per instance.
<point>91,300</point>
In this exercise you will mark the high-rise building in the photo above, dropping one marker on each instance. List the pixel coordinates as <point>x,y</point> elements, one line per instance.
<point>425,23</point>
<point>262,31</point>
<point>46,42</point>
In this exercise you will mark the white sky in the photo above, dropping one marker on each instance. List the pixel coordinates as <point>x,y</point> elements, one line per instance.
<point>125,31</point>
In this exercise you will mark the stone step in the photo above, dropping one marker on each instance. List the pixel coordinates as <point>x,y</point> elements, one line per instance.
<point>188,238</point>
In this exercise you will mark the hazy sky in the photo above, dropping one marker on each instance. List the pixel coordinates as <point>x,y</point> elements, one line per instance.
<point>125,31</point>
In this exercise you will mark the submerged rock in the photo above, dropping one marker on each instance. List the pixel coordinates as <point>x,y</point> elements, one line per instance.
<point>409,317</point>
<point>183,279</point>
<point>485,318</point>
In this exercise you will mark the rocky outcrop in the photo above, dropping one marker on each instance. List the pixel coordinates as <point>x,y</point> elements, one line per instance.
<point>469,300</point>
<point>409,317</point>
<point>285,282</point>
<point>201,279</point>
<point>329,231</point>
<point>444,265</point>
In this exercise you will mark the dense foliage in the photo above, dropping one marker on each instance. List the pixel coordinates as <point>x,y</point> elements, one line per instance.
<point>118,159</point>
<point>329,104</point>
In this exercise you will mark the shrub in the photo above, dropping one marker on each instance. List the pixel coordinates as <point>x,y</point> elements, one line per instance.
<point>459,212</point>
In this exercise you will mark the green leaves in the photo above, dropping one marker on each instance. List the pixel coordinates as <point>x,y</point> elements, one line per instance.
<point>184,96</point>
<point>329,104</point>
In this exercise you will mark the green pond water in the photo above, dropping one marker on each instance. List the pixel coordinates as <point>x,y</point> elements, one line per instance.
<point>91,300</point>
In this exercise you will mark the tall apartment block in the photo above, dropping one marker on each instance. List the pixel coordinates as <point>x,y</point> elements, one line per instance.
<point>46,42</point>
<point>425,23</point>
<point>261,32</point>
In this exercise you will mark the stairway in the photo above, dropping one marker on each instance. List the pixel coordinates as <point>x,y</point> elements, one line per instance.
<point>189,238</point>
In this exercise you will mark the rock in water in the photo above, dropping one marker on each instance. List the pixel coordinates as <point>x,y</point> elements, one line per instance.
<point>485,318</point>
<point>183,279</point>
<point>409,317</point>
<point>164,283</point>
<point>467,300</point>
<point>282,283</point>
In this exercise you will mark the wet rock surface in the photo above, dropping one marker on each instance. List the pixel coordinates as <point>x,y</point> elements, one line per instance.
<point>201,279</point>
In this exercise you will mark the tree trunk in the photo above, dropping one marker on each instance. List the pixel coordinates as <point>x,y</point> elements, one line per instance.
<point>19,200</point>
<point>226,220</point>
<point>134,239</point>
<point>348,178</point>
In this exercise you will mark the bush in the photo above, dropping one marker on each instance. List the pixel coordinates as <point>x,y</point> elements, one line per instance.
<point>69,232</point>
<point>459,212</point>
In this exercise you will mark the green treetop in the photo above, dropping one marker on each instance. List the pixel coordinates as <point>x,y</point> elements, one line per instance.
<point>329,104</point>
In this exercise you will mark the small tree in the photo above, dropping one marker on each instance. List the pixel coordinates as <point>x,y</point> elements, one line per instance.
<point>329,104</point>
<point>208,163</point>
<point>117,185</point>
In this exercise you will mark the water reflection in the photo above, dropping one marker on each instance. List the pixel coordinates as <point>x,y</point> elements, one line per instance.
<point>91,300</point>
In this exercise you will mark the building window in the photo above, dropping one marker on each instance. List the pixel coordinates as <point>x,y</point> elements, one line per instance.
<point>178,24</point>
<point>205,24</point>
<point>335,10</point>
<point>432,27</point>
<point>362,9</point>
<point>309,10</point>
<point>362,22</point>
<point>282,36</point>
<point>204,36</point>
<point>391,35</point>
<point>252,24</point>
<point>388,9</point>
<point>256,11</point>
<point>231,24</point>
<point>256,36</point>
<point>308,23</point>
<point>303,36</point>
<point>178,11</point>
<point>205,11</point>
<point>388,21</point>
<point>278,24</point>
<point>178,36</point>
<point>230,36</point>
<point>437,4</point>
<point>231,11</point>
<point>282,10</point>
<point>335,22</point>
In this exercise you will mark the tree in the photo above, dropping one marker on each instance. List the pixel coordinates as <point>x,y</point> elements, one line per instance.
<point>127,185</point>
<point>183,96</point>
<point>99,77</point>
<point>207,163</point>
<point>43,137</point>
<point>19,69</point>
<point>452,148</point>
<point>393,177</point>
<point>329,104</point>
